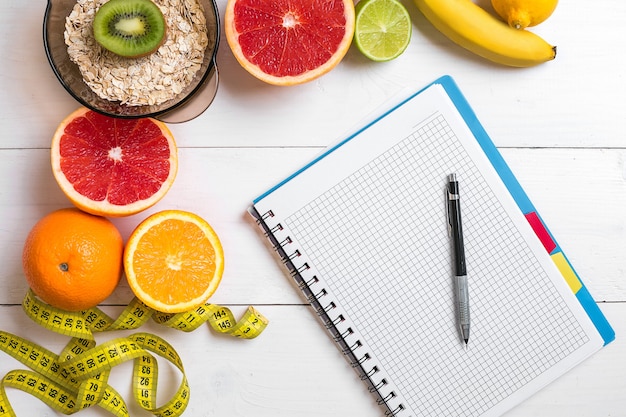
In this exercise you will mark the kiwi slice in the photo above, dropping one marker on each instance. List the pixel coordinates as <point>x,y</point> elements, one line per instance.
<point>130,28</point>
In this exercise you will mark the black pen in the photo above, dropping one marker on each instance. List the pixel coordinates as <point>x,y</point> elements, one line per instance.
<point>460,270</point>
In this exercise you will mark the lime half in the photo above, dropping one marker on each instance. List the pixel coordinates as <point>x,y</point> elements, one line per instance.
<point>383,29</point>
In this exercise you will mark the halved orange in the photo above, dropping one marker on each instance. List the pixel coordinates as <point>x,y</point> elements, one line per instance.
<point>286,42</point>
<point>110,166</point>
<point>173,261</point>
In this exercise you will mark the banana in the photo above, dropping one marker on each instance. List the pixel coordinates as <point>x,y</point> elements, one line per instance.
<point>473,28</point>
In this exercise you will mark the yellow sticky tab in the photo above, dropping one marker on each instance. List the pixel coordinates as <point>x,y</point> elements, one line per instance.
<point>567,272</point>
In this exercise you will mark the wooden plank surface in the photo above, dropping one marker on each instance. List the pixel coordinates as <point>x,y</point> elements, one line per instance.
<point>560,126</point>
<point>579,192</point>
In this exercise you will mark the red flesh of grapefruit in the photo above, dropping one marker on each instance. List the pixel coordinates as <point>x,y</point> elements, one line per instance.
<point>286,42</point>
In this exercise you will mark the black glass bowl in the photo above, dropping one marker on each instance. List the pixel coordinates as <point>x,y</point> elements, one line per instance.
<point>190,103</point>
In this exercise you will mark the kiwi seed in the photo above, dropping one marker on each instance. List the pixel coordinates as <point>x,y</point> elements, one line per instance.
<point>129,28</point>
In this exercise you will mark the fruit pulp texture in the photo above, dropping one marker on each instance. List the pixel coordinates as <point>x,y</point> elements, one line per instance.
<point>119,160</point>
<point>132,26</point>
<point>174,261</point>
<point>303,34</point>
<point>383,28</point>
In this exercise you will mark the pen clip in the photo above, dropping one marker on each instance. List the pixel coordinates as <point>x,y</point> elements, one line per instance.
<point>448,197</point>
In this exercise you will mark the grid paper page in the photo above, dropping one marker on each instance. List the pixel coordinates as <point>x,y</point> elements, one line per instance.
<point>379,240</point>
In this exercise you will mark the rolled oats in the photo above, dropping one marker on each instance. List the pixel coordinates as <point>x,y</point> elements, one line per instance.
<point>149,80</point>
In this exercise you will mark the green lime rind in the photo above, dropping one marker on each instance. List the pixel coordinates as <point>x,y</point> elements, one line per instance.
<point>383,29</point>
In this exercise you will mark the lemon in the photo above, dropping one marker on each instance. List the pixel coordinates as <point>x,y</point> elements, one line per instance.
<point>382,30</point>
<point>521,14</point>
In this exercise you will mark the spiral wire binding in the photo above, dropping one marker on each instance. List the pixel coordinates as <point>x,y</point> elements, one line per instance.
<point>334,324</point>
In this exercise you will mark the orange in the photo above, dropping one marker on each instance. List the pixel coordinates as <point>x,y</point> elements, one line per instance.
<point>286,42</point>
<point>72,260</point>
<point>110,166</point>
<point>173,261</point>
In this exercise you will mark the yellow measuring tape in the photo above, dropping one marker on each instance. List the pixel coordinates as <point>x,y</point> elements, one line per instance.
<point>77,378</point>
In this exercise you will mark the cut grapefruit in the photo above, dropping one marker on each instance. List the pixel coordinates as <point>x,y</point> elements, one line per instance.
<point>110,166</point>
<point>286,42</point>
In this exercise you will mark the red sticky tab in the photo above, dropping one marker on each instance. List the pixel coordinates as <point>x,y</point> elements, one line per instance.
<point>541,231</point>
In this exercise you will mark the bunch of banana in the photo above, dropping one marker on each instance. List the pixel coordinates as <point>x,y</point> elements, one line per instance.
<point>473,28</point>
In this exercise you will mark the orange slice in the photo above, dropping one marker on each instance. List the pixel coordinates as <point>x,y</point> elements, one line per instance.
<point>110,166</point>
<point>173,261</point>
<point>286,42</point>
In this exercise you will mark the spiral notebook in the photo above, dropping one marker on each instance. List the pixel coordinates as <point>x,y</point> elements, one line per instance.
<point>363,231</point>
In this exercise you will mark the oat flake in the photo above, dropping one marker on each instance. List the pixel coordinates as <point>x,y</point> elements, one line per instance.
<point>149,80</point>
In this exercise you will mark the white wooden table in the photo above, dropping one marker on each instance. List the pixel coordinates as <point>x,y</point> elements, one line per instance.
<point>561,127</point>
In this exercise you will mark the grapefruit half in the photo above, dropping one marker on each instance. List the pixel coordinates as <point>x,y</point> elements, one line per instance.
<point>286,42</point>
<point>110,166</point>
